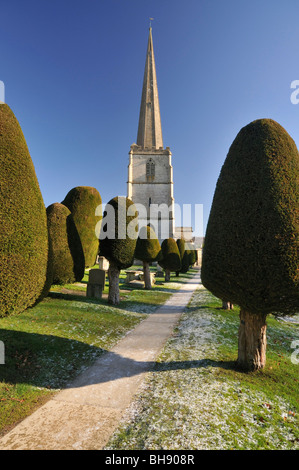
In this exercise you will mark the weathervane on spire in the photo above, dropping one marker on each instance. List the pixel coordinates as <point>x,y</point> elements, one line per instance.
<point>151,19</point>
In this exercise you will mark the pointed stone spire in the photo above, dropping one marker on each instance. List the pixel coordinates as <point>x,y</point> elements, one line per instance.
<point>149,129</point>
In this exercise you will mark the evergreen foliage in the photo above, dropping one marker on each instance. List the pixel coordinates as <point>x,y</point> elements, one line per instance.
<point>120,247</point>
<point>49,272</point>
<point>148,247</point>
<point>185,262</point>
<point>23,234</point>
<point>181,246</point>
<point>250,255</point>
<point>68,256</point>
<point>83,201</point>
<point>191,253</point>
<point>171,259</point>
<point>118,240</point>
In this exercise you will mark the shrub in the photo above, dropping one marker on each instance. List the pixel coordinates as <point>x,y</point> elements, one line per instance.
<point>118,240</point>
<point>147,250</point>
<point>250,255</point>
<point>23,235</point>
<point>49,273</point>
<point>83,201</point>
<point>191,253</point>
<point>171,260</point>
<point>185,262</point>
<point>68,257</point>
<point>181,246</point>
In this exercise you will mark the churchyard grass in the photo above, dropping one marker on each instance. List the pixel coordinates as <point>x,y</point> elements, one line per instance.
<point>48,345</point>
<point>196,399</point>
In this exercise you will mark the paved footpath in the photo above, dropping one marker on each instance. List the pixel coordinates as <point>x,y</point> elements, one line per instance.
<point>84,415</point>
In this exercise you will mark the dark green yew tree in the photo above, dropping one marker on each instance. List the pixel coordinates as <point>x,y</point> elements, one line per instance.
<point>23,222</point>
<point>185,262</point>
<point>85,204</point>
<point>147,250</point>
<point>191,253</point>
<point>118,240</point>
<point>67,253</point>
<point>181,246</point>
<point>250,255</point>
<point>171,260</point>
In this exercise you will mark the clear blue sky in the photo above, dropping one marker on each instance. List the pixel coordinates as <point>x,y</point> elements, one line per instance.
<point>73,74</point>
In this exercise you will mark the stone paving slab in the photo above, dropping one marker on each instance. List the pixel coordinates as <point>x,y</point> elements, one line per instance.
<point>84,415</point>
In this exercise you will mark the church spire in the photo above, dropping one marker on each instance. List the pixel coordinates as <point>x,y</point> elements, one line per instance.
<point>149,129</point>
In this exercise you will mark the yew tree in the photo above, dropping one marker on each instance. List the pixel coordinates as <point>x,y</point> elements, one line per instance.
<point>181,246</point>
<point>171,260</point>
<point>185,264</point>
<point>85,203</point>
<point>191,253</point>
<point>118,237</point>
<point>147,250</point>
<point>66,248</point>
<point>250,255</point>
<point>24,245</point>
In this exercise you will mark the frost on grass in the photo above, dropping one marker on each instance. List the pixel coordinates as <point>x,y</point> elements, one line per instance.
<point>186,403</point>
<point>101,308</point>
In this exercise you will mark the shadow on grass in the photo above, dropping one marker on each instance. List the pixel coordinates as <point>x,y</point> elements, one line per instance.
<point>158,287</point>
<point>148,305</point>
<point>198,364</point>
<point>202,307</point>
<point>214,308</point>
<point>126,304</point>
<point>112,367</point>
<point>43,360</point>
<point>76,297</point>
<point>52,362</point>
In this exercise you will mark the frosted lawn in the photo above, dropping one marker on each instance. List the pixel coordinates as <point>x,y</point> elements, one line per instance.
<point>187,403</point>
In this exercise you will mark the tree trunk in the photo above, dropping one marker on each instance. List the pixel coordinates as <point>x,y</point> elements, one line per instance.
<point>252,341</point>
<point>227,305</point>
<point>113,273</point>
<point>167,275</point>
<point>147,275</point>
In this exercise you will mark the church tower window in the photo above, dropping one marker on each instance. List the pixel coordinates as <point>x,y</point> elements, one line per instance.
<point>150,170</point>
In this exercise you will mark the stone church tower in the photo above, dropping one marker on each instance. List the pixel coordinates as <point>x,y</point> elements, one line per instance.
<point>150,180</point>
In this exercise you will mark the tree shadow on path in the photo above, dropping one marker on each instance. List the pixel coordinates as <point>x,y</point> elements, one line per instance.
<point>26,362</point>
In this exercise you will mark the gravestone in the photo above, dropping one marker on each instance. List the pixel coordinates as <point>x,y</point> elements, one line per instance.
<point>96,283</point>
<point>103,263</point>
<point>159,271</point>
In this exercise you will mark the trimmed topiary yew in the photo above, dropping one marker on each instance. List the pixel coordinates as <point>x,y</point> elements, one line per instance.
<point>147,250</point>
<point>67,253</point>
<point>185,262</point>
<point>118,240</point>
<point>23,222</point>
<point>250,255</point>
<point>191,253</point>
<point>171,260</point>
<point>181,246</point>
<point>49,272</point>
<point>84,203</point>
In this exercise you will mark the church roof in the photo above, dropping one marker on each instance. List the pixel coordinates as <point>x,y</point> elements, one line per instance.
<point>149,128</point>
